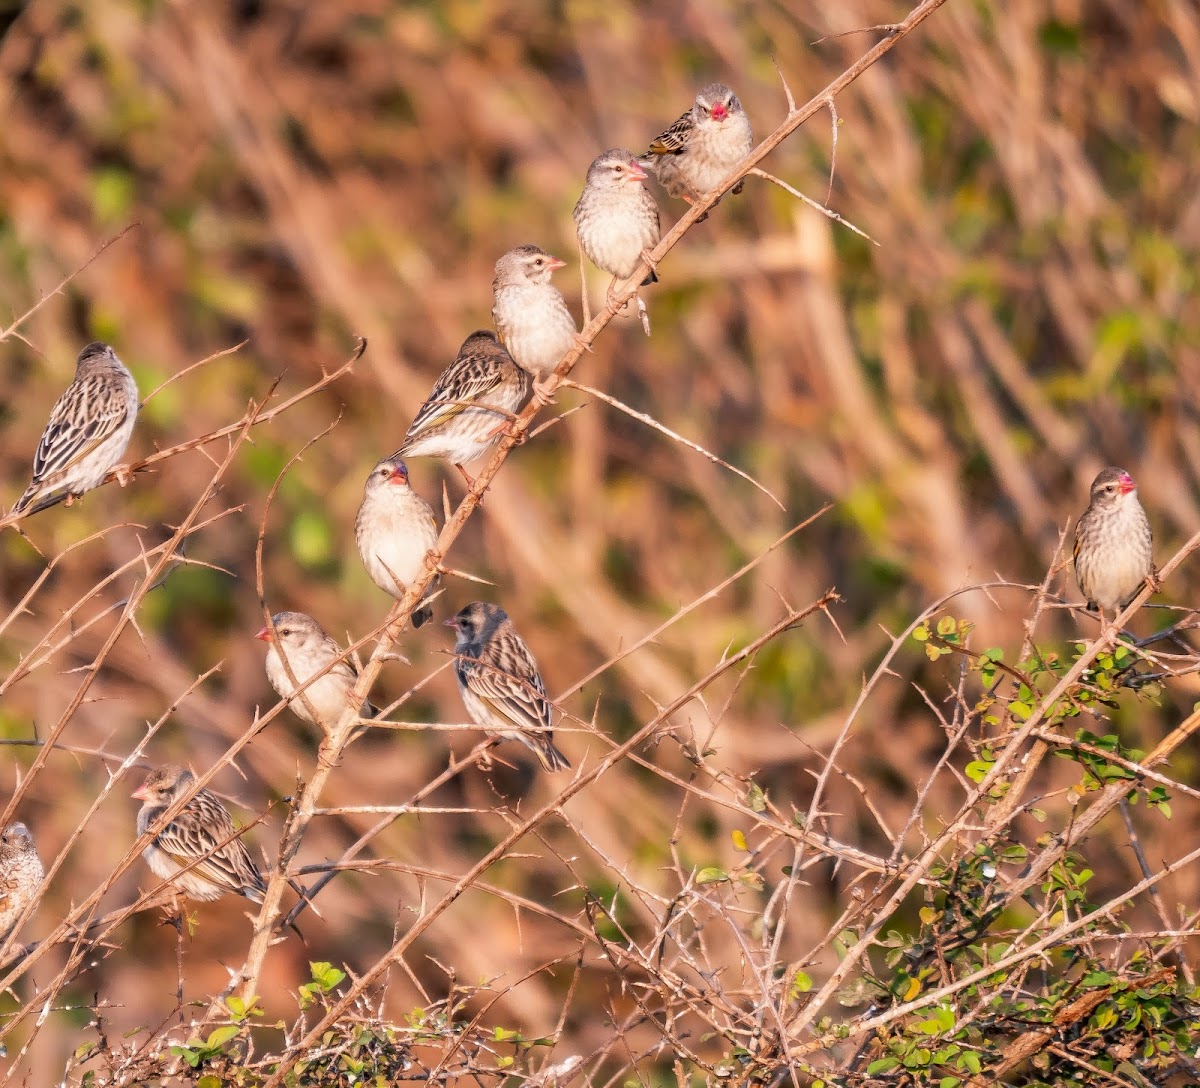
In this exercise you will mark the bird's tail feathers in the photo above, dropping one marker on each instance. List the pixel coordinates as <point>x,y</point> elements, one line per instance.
<point>550,757</point>
<point>26,504</point>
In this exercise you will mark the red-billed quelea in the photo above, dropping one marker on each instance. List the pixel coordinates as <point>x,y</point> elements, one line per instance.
<point>310,652</point>
<point>616,218</point>
<point>1113,545</point>
<point>471,405</point>
<point>500,683</point>
<point>395,531</point>
<point>88,433</point>
<point>700,150</point>
<point>201,839</point>
<point>530,312</point>
<point>21,873</point>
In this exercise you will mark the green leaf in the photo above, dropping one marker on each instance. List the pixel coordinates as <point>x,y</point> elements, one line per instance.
<point>220,1036</point>
<point>209,1081</point>
<point>801,984</point>
<point>977,770</point>
<point>504,1035</point>
<point>711,874</point>
<point>882,1065</point>
<point>756,799</point>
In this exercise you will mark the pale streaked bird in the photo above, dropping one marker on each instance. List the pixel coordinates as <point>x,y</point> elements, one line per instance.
<point>202,833</point>
<point>471,405</point>
<point>616,218</point>
<point>309,651</point>
<point>700,150</point>
<point>20,874</point>
<point>395,531</point>
<point>500,683</point>
<point>88,433</point>
<point>530,312</point>
<point>1114,553</point>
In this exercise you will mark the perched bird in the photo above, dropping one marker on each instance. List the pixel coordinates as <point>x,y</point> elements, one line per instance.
<point>309,651</point>
<point>20,874</point>
<point>700,150</point>
<point>202,833</point>
<point>89,429</point>
<point>500,683</point>
<point>616,218</point>
<point>1113,546</point>
<point>395,531</point>
<point>471,405</point>
<point>530,314</point>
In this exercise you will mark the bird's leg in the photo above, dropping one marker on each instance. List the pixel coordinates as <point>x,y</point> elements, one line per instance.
<point>123,474</point>
<point>694,200</point>
<point>1153,580</point>
<point>508,427</point>
<point>541,392</point>
<point>70,500</point>
<point>648,257</point>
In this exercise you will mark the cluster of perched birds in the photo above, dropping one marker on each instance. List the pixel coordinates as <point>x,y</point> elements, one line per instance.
<point>471,407</point>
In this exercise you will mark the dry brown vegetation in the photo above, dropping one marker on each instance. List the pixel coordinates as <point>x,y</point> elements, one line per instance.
<point>799,838</point>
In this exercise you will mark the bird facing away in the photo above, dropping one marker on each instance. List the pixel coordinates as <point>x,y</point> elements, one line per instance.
<point>500,683</point>
<point>700,150</point>
<point>530,313</point>
<point>202,833</point>
<point>471,405</point>
<point>89,430</point>
<point>1113,544</point>
<point>309,651</point>
<point>616,218</point>
<point>395,531</point>
<point>20,874</point>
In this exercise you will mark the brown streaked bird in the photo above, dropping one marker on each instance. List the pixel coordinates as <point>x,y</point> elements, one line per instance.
<point>471,405</point>
<point>21,873</point>
<point>309,651</point>
<point>88,433</point>
<point>500,683</point>
<point>395,531</point>
<point>530,313</point>
<point>1114,553</point>
<point>700,150</point>
<point>616,218</point>
<point>201,835</point>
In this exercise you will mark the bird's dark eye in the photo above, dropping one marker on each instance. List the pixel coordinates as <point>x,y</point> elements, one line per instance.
<point>538,262</point>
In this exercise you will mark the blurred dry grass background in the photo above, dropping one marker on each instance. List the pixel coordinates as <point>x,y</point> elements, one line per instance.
<point>306,173</point>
